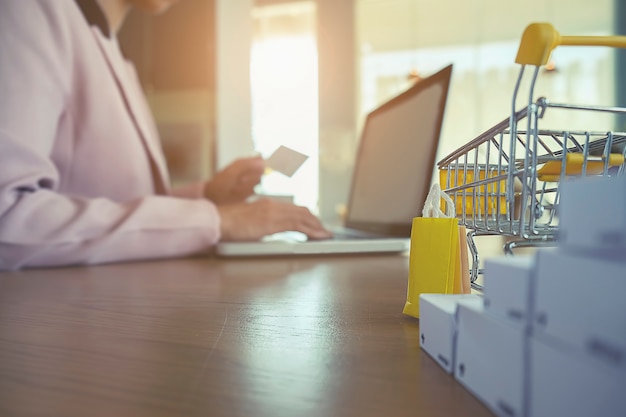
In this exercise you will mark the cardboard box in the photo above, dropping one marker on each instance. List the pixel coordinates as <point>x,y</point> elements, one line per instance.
<point>506,288</point>
<point>592,214</point>
<point>490,360</point>
<point>562,383</point>
<point>438,325</point>
<point>579,300</point>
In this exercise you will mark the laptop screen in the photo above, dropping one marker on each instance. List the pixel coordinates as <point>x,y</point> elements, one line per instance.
<point>396,158</point>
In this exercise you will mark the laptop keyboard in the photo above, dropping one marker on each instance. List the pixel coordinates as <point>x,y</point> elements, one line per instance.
<point>339,233</point>
<point>343,234</point>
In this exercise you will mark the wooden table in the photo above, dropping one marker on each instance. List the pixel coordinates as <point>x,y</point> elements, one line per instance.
<point>207,337</point>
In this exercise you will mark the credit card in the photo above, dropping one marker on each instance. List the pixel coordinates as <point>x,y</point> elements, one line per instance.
<point>285,160</point>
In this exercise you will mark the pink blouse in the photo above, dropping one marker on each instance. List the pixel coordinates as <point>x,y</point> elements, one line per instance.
<point>83,179</point>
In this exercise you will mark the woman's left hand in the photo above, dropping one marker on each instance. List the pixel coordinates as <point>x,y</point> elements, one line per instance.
<point>236,182</point>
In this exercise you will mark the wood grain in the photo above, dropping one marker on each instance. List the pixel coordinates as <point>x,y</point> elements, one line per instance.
<point>208,337</point>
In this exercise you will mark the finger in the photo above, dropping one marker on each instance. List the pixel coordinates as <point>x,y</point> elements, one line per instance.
<point>316,230</point>
<point>251,178</point>
<point>250,166</point>
<point>305,222</point>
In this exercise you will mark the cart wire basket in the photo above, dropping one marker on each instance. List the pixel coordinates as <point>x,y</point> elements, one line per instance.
<point>506,181</point>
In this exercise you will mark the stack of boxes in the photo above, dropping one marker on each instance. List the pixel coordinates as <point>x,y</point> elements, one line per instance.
<point>548,335</point>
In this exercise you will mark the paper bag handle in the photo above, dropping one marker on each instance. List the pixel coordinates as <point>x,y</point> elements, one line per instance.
<point>432,204</point>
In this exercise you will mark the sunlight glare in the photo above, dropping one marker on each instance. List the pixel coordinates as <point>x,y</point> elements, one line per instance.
<point>285,110</point>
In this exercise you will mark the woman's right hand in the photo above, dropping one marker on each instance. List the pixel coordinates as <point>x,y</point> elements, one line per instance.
<point>249,221</point>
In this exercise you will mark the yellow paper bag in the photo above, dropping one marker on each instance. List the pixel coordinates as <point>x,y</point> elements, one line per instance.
<point>435,256</point>
<point>464,274</point>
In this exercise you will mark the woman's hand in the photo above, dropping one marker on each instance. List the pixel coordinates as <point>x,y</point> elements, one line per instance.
<point>252,221</point>
<point>236,182</point>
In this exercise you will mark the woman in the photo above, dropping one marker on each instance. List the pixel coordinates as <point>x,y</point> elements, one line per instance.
<point>82,174</point>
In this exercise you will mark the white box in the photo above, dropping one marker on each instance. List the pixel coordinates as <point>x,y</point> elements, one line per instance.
<point>592,214</point>
<point>438,325</point>
<point>562,383</point>
<point>582,302</point>
<point>490,360</point>
<point>506,287</point>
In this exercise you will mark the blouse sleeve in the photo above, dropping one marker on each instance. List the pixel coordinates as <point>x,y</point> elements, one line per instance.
<point>40,225</point>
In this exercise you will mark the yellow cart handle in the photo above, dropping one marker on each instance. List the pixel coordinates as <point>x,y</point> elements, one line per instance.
<point>539,39</point>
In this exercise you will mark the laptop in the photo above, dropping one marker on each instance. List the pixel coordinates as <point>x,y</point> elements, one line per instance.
<point>392,176</point>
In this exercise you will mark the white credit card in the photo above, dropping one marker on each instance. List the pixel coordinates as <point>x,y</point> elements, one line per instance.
<point>285,160</point>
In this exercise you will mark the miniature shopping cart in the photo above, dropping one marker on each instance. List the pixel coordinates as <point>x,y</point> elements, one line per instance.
<point>506,181</point>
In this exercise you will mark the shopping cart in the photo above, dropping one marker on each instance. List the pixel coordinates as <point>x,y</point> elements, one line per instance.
<point>506,181</point>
